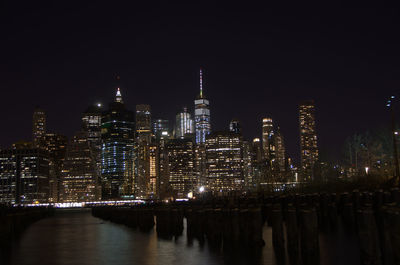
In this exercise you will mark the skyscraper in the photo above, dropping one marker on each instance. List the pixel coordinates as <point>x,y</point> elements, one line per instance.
<point>184,124</point>
<point>91,124</point>
<point>267,134</point>
<point>117,151</point>
<point>234,126</point>
<point>160,127</point>
<point>202,118</point>
<point>143,121</point>
<point>280,152</point>
<point>38,126</point>
<point>79,175</point>
<point>163,167</point>
<point>181,166</point>
<point>56,145</point>
<point>308,139</point>
<point>24,174</point>
<point>143,141</point>
<point>224,162</point>
<point>153,186</point>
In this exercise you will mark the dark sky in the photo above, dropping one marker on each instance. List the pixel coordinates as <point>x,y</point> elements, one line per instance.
<point>259,61</point>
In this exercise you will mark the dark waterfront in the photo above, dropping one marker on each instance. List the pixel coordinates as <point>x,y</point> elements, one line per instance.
<point>76,237</point>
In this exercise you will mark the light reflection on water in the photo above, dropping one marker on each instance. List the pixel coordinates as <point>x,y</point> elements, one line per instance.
<point>75,237</point>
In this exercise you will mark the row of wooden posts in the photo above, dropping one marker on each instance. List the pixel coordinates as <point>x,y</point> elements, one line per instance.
<point>296,221</point>
<point>13,220</point>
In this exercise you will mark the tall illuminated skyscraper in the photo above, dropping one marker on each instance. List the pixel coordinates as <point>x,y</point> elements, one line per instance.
<point>143,120</point>
<point>160,127</point>
<point>308,139</point>
<point>234,126</point>
<point>24,174</point>
<point>280,153</point>
<point>143,138</point>
<point>202,118</point>
<point>38,126</point>
<point>184,124</point>
<point>79,175</point>
<point>224,162</point>
<point>181,166</point>
<point>117,151</point>
<point>91,124</point>
<point>267,141</point>
<point>56,146</point>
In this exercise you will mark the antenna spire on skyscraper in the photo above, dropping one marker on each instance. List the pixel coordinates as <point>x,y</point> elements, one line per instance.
<point>201,82</point>
<point>118,96</point>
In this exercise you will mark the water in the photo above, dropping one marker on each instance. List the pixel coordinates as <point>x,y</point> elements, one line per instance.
<point>75,237</point>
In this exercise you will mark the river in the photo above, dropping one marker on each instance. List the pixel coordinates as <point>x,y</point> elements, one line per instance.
<point>76,237</point>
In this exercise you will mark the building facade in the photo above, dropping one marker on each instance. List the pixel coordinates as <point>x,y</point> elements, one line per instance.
<point>267,138</point>
<point>143,142</point>
<point>202,119</point>
<point>308,139</point>
<point>117,151</point>
<point>24,175</point>
<point>160,127</point>
<point>224,162</point>
<point>184,124</point>
<point>181,167</point>
<point>79,174</point>
<point>38,126</point>
<point>56,145</point>
<point>280,153</point>
<point>234,126</point>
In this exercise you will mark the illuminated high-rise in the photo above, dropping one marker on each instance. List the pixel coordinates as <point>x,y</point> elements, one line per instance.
<point>267,141</point>
<point>160,127</point>
<point>163,167</point>
<point>56,145</point>
<point>24,174</point>
<point>154,173</point>
<point>224,162</point>
<point>202,118</point>
<point>280,152</point>
<point>91,124</point>
<point>184,124</point>
<point>117,151</point>
<point>38,126</point>
<point>143,141</point>
<point>143,121</point>
<point>182,178</point>
<point>79,174</point>
<point>308,139</point>
<point>234,126</point>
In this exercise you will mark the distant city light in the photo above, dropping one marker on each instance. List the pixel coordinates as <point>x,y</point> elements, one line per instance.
<point>201,189</point>
<point>99,105</point>
<point>366,170</point>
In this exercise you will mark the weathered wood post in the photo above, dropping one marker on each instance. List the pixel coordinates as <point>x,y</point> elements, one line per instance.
<point>309,237</point>
<point>278,240</point>
<point>368,238</point>
<point>292,234</point>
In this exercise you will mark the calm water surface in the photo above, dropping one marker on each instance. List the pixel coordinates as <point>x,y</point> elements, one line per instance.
<point>75,237</point>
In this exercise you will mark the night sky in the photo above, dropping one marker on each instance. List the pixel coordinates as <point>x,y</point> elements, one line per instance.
<point>258,61</point>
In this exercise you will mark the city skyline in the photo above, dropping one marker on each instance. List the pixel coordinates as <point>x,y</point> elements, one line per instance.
<point>349,75</point>
<point>101,104</point>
